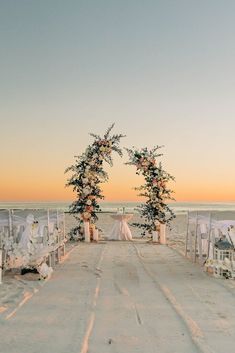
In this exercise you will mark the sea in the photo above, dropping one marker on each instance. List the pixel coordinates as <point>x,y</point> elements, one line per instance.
<point>123,206</point>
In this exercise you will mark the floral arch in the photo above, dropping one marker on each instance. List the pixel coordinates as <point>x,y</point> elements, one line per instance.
<point>88,174</point>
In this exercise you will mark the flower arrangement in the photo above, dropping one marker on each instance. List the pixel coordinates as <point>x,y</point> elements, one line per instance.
<point>32,256</point>
<point>88,175</point>
<point>16,255</point>
<point>155,190</point>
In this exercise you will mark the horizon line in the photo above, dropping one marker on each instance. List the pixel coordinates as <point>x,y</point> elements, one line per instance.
<point>115,201</point>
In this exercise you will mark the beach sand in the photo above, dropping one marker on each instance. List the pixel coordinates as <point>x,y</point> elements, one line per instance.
<point>124,297</point>
<point>16,287</point>
<point>105,223</point>
<point>130,275</point>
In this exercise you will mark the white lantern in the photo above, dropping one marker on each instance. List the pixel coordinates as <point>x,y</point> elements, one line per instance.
<point>155,236</point>
<point>162,234</point>
<point>95,234</point>
<point>87,232</point>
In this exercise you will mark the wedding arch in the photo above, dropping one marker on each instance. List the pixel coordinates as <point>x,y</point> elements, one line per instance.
<point>155,212</point>
<point>88,173</point>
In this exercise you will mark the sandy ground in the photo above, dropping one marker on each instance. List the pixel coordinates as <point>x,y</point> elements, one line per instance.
<point>176,235</point>
<point>124,297</point>
<point>16,287</point>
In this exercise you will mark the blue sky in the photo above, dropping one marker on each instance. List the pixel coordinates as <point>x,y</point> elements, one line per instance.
<point>162,70</point>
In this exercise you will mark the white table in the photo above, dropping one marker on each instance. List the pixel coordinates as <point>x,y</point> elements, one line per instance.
<point>121,230</point>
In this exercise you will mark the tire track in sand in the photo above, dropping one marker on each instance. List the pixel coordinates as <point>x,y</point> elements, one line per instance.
<point>91,321</point>
<point>193,328</point>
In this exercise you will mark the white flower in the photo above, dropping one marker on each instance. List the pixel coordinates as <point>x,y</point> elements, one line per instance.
<point>44,270</point>
<point>88,202</point>
<point>86,191</point>
<point>86,215</point>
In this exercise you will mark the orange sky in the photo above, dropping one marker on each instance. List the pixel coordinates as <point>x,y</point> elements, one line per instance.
<point>32,185</point>
<point>162,78</point>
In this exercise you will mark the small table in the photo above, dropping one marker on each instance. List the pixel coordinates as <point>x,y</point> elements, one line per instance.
<point>121,230</point>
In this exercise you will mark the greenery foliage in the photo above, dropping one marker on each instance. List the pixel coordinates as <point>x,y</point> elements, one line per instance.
<point>88,174</point>
<point>154,190</point>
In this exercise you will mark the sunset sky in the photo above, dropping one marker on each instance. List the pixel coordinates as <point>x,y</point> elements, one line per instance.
<point>163,71</point>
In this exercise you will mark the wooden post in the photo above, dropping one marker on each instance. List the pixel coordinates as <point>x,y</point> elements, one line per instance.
<point>50,259</point>
<point>53,262</point>
<point>10,231</point>
<point>57,218</point>
<point>63,249</point>
<point>191,245</point>
<point>209,238</point>
<point>213,243</point>
<point>186,240</point>
<point>10,223</point>
<point>195,243</point>
<point>1,253</point>
<point>59,253</point>
<point>190,234</point>
<point>63,226</point>
<point>87,231</point>
<point>200,249</point>
<point>48,224</point>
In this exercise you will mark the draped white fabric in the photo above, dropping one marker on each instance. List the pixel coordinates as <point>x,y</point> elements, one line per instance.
<point>205,230</point>
<point>121,230</point>
<point>27,236</point>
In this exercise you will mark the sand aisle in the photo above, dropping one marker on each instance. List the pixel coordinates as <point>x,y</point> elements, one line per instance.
<point>124,297</point>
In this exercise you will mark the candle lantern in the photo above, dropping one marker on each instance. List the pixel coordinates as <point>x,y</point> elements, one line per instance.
<point>223,250</point>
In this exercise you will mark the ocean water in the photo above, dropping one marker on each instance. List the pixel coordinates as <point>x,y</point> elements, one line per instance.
<point>178,207</point>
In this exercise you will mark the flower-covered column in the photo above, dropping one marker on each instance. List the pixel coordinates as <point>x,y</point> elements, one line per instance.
<point>155,211</point>
<point>88,175</point>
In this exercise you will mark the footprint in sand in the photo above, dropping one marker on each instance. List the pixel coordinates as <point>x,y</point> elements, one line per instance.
<point>98,269</point>
<point>84,265</point>
<point>98,273</point>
